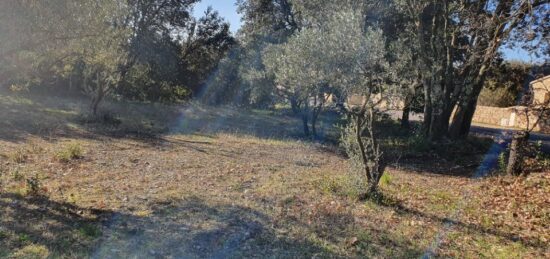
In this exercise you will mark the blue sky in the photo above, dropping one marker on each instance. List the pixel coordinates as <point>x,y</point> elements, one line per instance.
<point>226,8</point>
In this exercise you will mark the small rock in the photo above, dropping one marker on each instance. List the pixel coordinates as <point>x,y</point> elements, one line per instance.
<point>353,241</point>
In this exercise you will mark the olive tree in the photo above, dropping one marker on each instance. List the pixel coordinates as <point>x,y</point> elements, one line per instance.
<point>298,69</point>
<point>341,54</point>
<point>357,58</point>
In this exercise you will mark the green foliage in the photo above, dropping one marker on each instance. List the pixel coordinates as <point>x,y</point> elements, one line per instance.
<point>418,144</point>
<point>386,179</point>
<point>16,175</point>
<point>33,186</point>
<point>23,238</point>
<point>70,152</point>
<point>502,161</point>
<point>504,84</point>
<point>139,50</point>
<point>350,145</point>
<point>341,185</point>
<point>90,231</point>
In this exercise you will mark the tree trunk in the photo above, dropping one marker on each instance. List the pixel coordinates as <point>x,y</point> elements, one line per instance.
<point>95,106</point>
<point>100,93</point>
<point>359,138</point>
<point>305,119</point>
<point>314,123</point>
<point>405,121</point>
<point>371,158</point>
<point>305,123</point>
<point>462,120</point>
<point>294,106</point>
<point>427,109</point>
<point>517,153</point>
<point>438,127</point>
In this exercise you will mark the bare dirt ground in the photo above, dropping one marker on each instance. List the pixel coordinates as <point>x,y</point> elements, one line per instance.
<point>201,182</point>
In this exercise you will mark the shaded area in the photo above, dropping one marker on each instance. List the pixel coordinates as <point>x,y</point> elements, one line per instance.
<point>186,229</point>
<point>407,149</point>
<point>193,229</point>
<point>65,229</point>
<point>189,228</point>
<point>51,117</point>
<point>508,133</point>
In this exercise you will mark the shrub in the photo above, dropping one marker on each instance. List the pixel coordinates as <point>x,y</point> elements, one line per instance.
<point>386,179</point>
<point>19,156</point>
<point>339,185</point>
<point>502,162</point>
<point>33,186</point>
<point>499,97</point>
<point>89,230</point>
<point>419,144</point>
<point>70,152</point>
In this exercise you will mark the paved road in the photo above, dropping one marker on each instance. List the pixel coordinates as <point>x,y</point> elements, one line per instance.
<point>507,134</point>
<point>487,130</point>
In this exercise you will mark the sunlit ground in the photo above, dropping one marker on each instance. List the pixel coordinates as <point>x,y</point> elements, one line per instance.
<point>196,181</point>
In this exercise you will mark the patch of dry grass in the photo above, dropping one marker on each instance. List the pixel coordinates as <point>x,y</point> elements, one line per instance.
<point>214,182</point>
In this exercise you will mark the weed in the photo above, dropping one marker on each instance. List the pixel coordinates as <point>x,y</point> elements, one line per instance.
<point>89,230</point>
<point>502,162</point>
<point>16,175</point>
<point>23,238</point>
<point>339,185</point>
<point>330,185</point>
<point>70,152</point>
<point>32,251</point>
<point>541,157</point>
<point>33,186</point>
<point>3,234</point>
<point>386,179</point>
<point>20,156</point>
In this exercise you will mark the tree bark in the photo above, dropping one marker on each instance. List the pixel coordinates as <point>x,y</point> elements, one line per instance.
<point>294,105</point>
<point>427,109</point>
<point>305,119</point>
<point>405,121</point>
<point>517,153</point>
<point>305,123</point>
<point>462,120</point>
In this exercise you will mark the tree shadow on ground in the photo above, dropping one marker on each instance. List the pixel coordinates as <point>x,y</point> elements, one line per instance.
<point>65,229</point>
<point>410,151</point>
<point>51,117</point>
<point>399,208</point>
<point>189,228</point>
<point>186,229</point>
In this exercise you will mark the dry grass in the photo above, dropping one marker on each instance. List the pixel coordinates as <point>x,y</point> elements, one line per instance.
<point>209,182</point>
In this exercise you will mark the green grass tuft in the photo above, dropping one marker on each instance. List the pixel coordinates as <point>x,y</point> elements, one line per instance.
<point>386,179</point>
<point>70,152</point>
<point>89,230</point>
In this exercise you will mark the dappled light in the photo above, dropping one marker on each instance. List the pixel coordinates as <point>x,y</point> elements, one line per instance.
<point>306,129</point>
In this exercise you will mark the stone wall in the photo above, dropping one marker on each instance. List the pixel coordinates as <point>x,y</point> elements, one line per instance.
<point>510,117</point>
